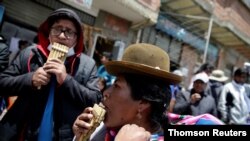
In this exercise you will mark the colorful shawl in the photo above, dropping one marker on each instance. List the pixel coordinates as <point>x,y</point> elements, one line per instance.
<point>204,119</point>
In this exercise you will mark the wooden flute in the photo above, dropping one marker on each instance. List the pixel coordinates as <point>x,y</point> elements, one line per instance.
<point>58,51</point>
<point>98,117</point>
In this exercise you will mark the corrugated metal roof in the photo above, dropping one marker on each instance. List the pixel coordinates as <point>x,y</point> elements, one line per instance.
<point>181,12</point>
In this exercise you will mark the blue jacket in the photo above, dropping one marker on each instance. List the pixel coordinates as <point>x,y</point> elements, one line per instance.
<point>101,72</point>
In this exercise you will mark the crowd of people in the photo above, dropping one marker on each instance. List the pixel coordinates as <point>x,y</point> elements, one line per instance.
<point>54,99</point>
<point>211,92</point>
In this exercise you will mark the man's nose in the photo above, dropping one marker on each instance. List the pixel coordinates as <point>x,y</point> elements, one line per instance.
<point>62,34</point>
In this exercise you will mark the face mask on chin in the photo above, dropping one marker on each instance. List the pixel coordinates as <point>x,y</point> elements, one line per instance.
<point>71,51</point>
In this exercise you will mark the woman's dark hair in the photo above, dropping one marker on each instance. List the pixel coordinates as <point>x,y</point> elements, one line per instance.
<point>205,67</point>
<point>155,91</point>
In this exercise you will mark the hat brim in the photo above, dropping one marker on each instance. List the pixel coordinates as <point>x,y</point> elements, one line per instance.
<point>222,79</point>
<point>118,67</point>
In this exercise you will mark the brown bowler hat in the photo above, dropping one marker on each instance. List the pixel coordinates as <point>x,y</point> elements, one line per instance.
<point>144,59</point>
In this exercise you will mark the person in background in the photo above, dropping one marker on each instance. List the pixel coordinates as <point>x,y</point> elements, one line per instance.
<point>216,82</point>
<point>139,95</point>
<point>102,72</point>
<point>206,69</point>
<point>197,101</point>
<point>51,93</point>
<point>22,44</point>
<point>232,103</point>
<point>175,89</point>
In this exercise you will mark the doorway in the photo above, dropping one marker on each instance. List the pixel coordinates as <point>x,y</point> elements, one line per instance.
<point>103,47</point>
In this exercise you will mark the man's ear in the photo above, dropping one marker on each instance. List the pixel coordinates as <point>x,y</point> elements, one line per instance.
<point>49,38</point>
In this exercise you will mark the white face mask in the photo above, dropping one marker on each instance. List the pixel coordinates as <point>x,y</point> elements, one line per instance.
<point>71,51</point>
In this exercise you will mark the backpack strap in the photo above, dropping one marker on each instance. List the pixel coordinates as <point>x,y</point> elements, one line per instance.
<point>26,57</point>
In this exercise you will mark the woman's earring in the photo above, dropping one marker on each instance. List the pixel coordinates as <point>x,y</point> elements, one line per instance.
<point>139,115</point>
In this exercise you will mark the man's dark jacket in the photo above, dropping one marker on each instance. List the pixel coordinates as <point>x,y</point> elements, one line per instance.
<point>78,91</point>
<point>4,56</point>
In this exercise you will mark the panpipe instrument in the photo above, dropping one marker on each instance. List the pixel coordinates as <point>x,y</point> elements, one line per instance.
<point>58,51</point>
<point>98,116</point>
